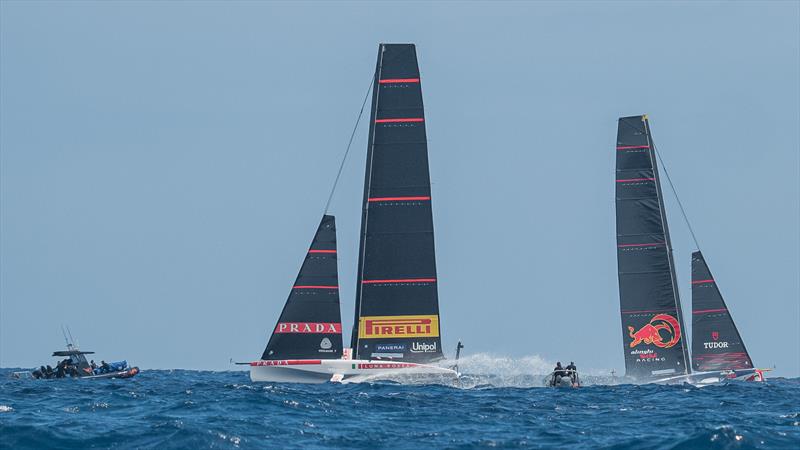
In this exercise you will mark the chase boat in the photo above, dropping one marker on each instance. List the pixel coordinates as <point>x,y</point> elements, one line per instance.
<point>76,365</point>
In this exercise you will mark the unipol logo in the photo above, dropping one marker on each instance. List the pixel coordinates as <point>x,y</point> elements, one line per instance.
<point>309,327</point>
<point>423,347</point>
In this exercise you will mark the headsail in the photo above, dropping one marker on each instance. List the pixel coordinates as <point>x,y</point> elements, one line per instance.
<point>397,306</point>
<point>716,343</point>
<point>652,323</point>
<point>310,325</point>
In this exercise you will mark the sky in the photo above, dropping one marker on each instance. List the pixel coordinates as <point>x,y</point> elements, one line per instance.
<point>163,167</point>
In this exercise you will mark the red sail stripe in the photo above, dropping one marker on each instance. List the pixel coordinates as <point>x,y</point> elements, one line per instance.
<point>628,147</point>
<point>322,251</point>
<point>640,245</point>
<point>636,179</point>
<point>399,80</point>
<point>408,119</point>
<point>404,280</point>
<point>390,199</point>
<point>315,287</point>
<point>702,281</point>
<point>703,311</point>
<point>648,312</point>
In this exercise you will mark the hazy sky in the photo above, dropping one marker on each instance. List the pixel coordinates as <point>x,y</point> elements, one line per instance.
<point>164,167</point>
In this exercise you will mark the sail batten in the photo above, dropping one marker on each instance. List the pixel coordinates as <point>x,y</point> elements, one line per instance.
<point>652,322</point>
<point>397,307</point>
<point>716,343</point>
<point>310,324</point>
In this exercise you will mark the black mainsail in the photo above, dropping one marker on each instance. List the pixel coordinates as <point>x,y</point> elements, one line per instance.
<point>716,343</point>
<point>397,305</point>
<point>310,325</point>
<point>652,323</point>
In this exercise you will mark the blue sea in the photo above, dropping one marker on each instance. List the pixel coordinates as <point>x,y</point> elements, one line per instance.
<point>197,409</point>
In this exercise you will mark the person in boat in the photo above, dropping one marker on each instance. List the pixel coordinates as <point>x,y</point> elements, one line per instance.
<point>104,367</point>
<point>38,373</point>
<point>48,373</point>
<point>93,365</point>
<point>572,371</point>
<point>60,369</point>
<point>558,373</point>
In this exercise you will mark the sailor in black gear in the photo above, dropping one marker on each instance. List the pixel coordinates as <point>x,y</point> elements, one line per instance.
<point>572,371</point>
<point>558,372</point>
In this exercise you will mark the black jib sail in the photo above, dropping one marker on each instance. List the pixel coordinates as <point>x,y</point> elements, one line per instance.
<point>652,323</point>
<point>397,306</point>
<point>310,325</point>
<point>716,343</point>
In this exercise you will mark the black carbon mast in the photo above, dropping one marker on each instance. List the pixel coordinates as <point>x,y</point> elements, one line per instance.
<point>310,325</point>
<point>397,306</point>
<point>652,320</point>
<point>716,343</point>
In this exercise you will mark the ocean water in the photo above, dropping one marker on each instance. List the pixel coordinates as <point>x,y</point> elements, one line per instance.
<point>197,409</point>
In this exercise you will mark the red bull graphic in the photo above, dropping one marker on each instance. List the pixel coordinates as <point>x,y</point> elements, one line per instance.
<point>651,333</point>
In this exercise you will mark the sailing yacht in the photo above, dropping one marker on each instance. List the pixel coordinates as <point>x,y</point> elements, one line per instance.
<point>396,320</point>
<point>653,332</point>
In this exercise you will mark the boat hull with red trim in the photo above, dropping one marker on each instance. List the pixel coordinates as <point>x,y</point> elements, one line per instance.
<point>715,377</point>
<point>344,370</point>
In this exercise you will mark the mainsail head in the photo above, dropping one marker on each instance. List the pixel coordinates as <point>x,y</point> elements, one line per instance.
<point>310,325</point>
<point>652,324</point>
<point>397,306</point>
<point>716,343</point>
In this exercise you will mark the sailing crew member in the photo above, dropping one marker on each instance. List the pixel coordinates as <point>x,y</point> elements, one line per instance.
<point>104,367</point>
<point>93,365</point>
<point>558,372</point>
<point>572,371</point>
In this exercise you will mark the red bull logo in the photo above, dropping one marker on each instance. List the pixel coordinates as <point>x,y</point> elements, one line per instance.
<point>651,333</point>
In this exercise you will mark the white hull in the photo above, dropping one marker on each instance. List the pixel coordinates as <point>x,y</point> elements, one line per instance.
<point>715,377</point>
<point>343,370</point>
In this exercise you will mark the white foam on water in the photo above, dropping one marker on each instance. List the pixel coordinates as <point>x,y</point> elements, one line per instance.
<point>5,408</point>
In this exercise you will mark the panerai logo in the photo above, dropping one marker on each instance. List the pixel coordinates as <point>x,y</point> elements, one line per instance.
<point>423,347</point>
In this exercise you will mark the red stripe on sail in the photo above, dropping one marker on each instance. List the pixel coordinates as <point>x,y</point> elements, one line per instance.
<point>390,199</point>
<point>704,311</point>
<point>702,281</point>
<point>640,245</point>
<point>401,280</point>
<point>315,287</point>
<point>399,80</point>
<point>636,179</point>
<point>630,147</point>
<point>648,312</point>
<point>322,251</point>
<point>407,119</point>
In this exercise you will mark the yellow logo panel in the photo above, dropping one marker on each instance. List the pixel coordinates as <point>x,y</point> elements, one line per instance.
<point>374,327</point>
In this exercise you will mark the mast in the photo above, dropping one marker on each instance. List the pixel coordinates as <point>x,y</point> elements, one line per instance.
<point>716,343</point>
<point>397,305</point>
<point>310,325</point>
<point>652,321</point>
